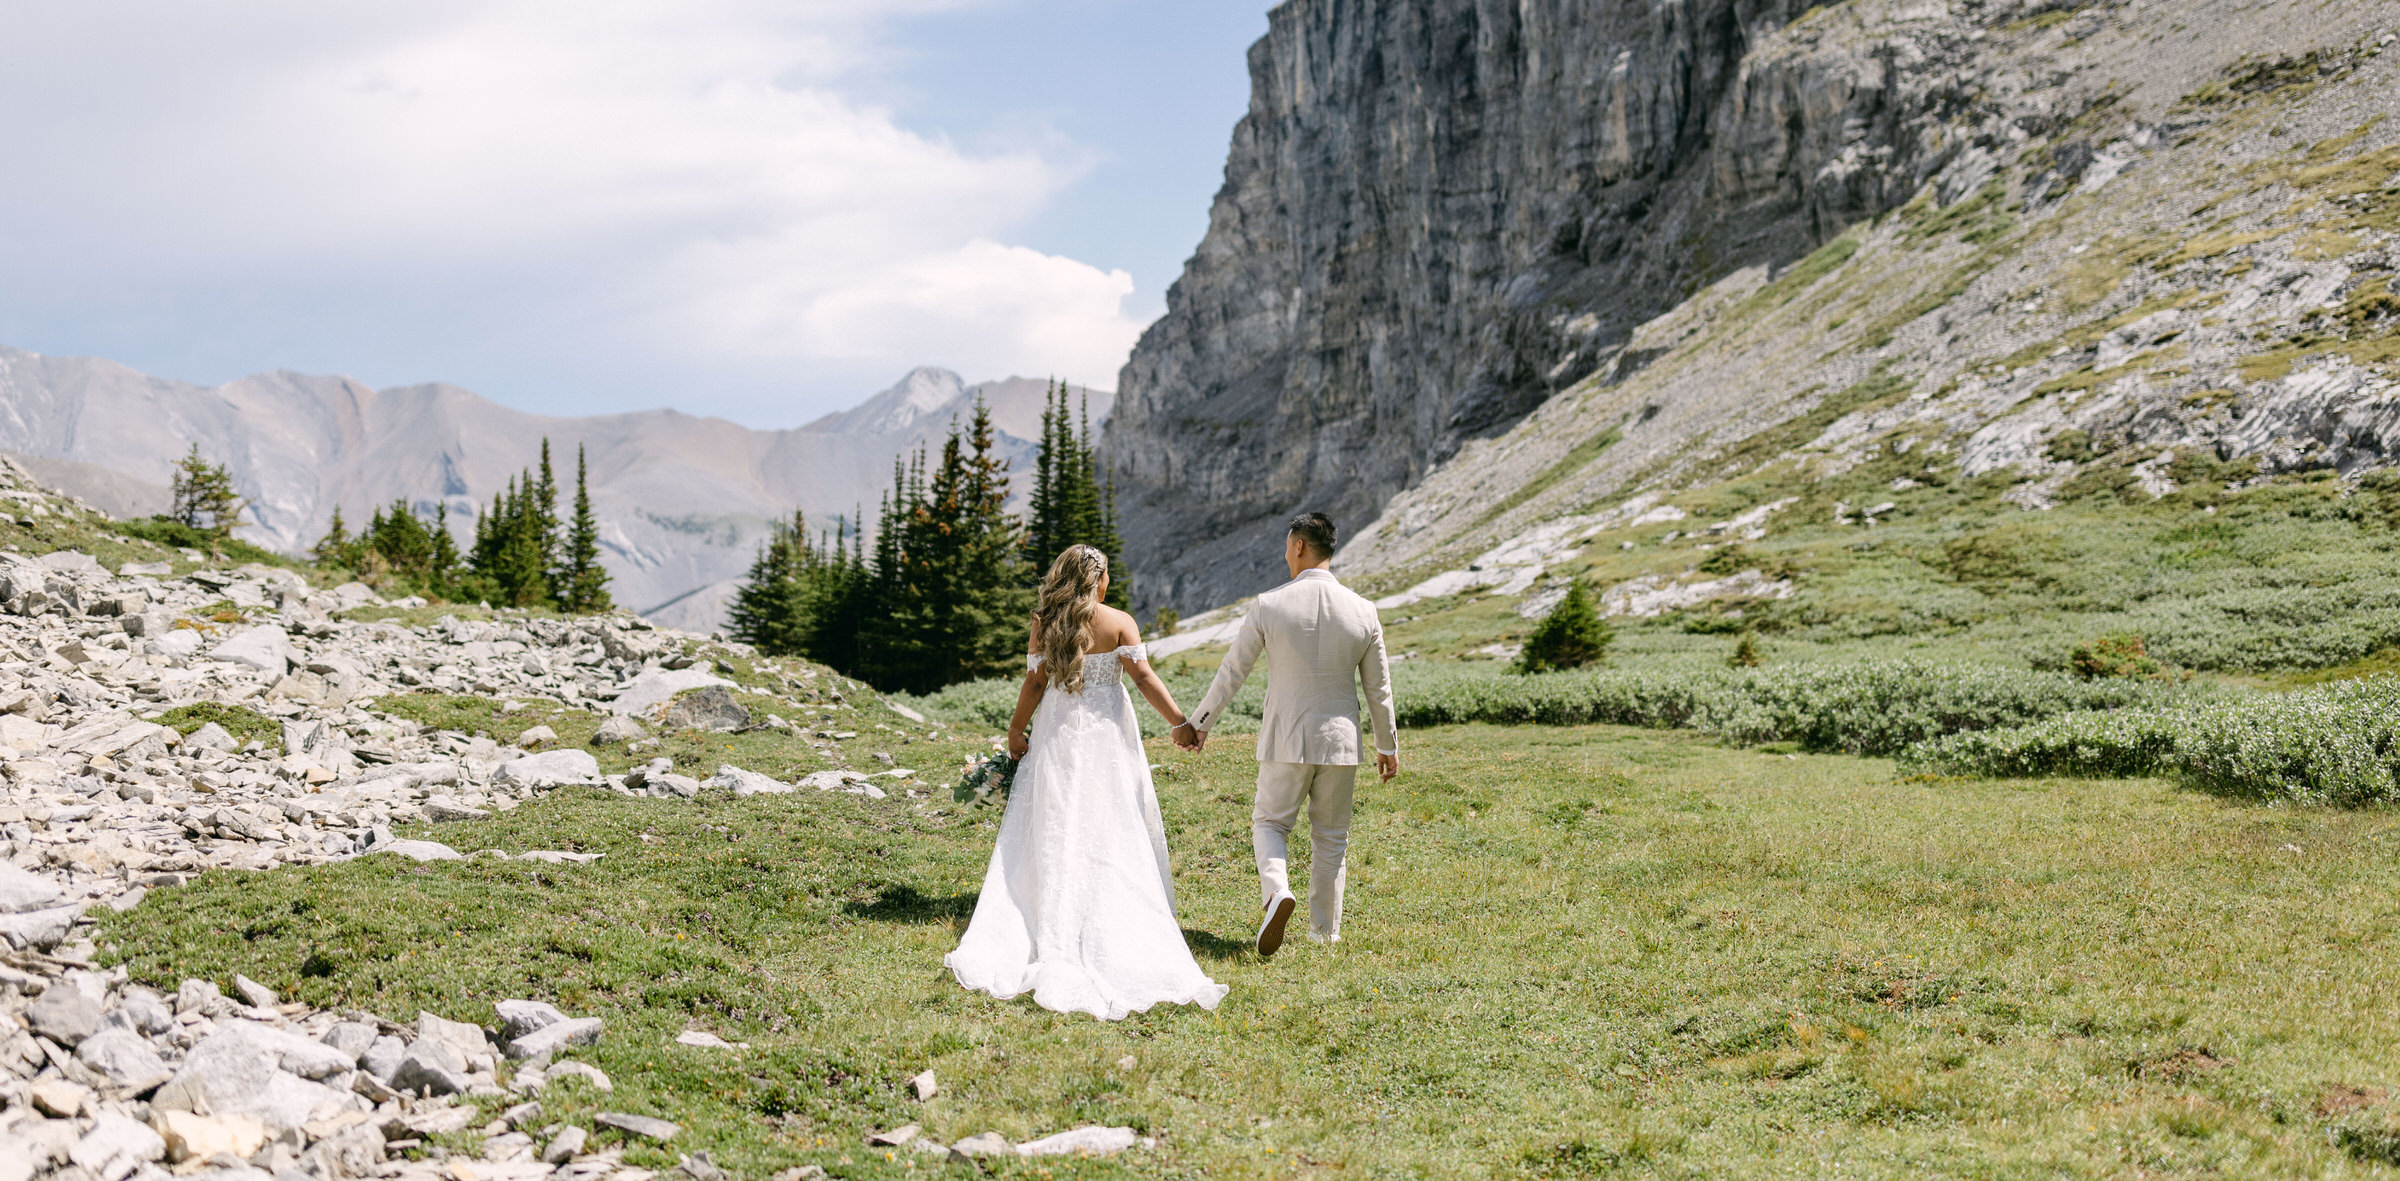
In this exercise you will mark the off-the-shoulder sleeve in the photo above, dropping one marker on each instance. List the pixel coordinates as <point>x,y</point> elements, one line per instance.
<point>1033,660</point>
<point>1134,652</point>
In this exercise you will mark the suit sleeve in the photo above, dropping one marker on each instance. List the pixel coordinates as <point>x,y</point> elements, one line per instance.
<point>1248,642</point>
<point>1375,672</point>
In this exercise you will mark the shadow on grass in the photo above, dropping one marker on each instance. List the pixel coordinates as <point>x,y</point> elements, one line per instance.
<point>907,904</point>
<point>1208,946</point>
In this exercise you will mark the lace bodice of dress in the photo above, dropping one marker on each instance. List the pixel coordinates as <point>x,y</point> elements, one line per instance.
<point>1102,671</point>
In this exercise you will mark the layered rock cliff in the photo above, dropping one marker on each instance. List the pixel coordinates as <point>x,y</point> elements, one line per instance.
<point>1440,215</point>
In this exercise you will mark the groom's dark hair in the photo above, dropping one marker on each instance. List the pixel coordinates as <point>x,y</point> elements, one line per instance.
<point>1315,531</point>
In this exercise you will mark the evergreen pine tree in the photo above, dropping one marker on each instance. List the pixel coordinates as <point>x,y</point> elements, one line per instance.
<point>442,578</point>
<point>993,599</point>
<point>581,583</point>
<point>771,608</point>
<point>204,498</point>
<point>333,549</point>
<point>1071,504</point>
<point>1571,636</point>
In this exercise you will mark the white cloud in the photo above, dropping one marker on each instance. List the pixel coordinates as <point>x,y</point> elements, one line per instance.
<point>696,178</point>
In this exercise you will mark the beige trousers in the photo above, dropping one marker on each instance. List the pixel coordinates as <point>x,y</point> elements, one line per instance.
<point>1282,789</point>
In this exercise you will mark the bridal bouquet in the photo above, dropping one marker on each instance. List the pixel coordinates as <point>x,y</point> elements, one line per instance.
<point>986,780</point>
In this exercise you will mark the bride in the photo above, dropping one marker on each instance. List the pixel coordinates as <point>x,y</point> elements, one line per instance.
<point>1078,907</point>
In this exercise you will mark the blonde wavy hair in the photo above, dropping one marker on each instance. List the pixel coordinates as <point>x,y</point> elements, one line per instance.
<point>1063,611</point>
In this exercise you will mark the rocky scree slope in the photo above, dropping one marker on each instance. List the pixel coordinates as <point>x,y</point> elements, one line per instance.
<point>1441,215</point>
<point>168,718</point>
<point>2159,267</point>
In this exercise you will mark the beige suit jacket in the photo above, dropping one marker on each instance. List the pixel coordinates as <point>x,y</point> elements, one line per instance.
<point>1322,640</point>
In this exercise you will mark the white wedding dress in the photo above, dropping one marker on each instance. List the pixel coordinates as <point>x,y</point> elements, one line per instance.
<point>1078,905</point>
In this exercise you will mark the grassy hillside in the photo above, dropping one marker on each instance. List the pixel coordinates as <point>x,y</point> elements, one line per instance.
<point>1572,952</point>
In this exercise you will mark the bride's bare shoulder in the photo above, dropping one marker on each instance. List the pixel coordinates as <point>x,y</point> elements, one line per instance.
<point>1115,628</point>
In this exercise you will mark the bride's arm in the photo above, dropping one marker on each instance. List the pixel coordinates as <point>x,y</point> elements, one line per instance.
<point>1029,695</point>
<point>1154,691</point>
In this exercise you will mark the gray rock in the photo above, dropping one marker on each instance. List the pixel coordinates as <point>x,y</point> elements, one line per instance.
<point>549,1039</point>
<point>465,1040</point>
<point>582,1070</point>
<point>518,1018</point>
<point>210,736</point>
<point>1090,1140</point>
<point>430,1066</point>
<point>22,891</point>
<point>73,562</point>
<point>267,648</point>
<point>259,996</point>
<point>124,1058</point>
<point>711,708</point>
<point>420,850</point>
<point>564,1146</point>
<point>746,783</point>
<point>699,1167</point>
<point>987,1144</point>
<point>42,929</point>
<point>646,1127</point>
<point>144,1012</point>
<point>549,769</point>
<point>619,729</point>
<point>645,693</point>
<point>382,1057</point>
<point>196,996</point>
<point>442,808</point>
<point>117,1145</point>
<point>64,1014</point>
<point>537,736</point>
<point>249,1069</point>
<point>352,1038</point>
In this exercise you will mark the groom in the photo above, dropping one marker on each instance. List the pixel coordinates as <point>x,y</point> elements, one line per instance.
<point>1321,639</point>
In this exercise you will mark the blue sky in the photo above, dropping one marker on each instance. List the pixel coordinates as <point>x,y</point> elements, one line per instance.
<point>761,209</point>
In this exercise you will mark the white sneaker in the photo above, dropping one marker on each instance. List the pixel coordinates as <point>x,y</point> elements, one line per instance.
<point>1270,932</point>
<point>1317,936</point>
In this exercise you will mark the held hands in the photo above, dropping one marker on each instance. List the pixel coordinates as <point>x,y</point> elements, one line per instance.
<point>1188,738</point>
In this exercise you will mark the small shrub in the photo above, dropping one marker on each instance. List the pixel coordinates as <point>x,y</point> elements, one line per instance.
<point>1745,653</point>
<point>1167,621</point>
<point>2120,655</point>
<point>244,723</point>
<point>1730,559</point>
<point>2337,743</point>
<point>1571,636</point>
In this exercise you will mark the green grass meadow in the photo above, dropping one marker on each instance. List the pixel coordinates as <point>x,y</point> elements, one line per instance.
<point>1571,951</point>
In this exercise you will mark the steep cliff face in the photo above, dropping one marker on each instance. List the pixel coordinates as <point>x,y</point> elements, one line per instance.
<point>1439,213</point>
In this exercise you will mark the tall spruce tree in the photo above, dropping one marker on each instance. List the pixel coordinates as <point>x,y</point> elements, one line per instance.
<point>1071,502</point>
<point>771,609</point>
<point>334,549</point>
<point>581,582</point>
<point>517,541</point>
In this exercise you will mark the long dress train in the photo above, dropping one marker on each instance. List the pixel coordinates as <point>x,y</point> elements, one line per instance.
<point>1078,904</point>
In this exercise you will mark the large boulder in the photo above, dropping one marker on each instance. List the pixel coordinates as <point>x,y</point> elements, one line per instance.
<point>549,1039</point>
<point>710,708</point>
<point>124,1058</point>
<point>549,769</point>
<point>266,648</point>
<point>746,783</point>
<point>277,1078</point>
<point>21,891</point>
<point>643,695</point>
<point>42,929</point>
<point>65,1014</point>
